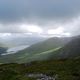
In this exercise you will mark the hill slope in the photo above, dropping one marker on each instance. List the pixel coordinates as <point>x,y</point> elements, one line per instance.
<point>65,70</point>
<point>70,50</point>
<point>54,48</point>
<point>39,51</point>
<point>46,45</point>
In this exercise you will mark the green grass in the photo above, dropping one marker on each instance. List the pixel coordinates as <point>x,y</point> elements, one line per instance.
<point>66,69</point>
<point>37,56</point>
<point>49,51</point>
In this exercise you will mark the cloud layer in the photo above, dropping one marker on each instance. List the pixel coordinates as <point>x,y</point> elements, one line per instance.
<point>17,10</point>
<point>39,16</point>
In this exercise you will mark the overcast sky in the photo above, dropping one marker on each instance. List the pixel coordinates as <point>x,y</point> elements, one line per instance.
<point>40,18</point>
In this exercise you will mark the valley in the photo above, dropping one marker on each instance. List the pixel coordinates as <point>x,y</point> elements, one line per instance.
<point>56,60</point>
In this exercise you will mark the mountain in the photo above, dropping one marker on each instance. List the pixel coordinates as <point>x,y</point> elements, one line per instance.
<point>39,51</point>
<point>53,48</point>
<point>66,66</point>
<point>46,45</point>
<point>58,48</point>
<point>70,50</point>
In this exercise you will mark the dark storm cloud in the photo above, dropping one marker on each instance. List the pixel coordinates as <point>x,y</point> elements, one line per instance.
<point>18,10</point>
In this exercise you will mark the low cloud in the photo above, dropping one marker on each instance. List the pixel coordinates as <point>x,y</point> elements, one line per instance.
<point>38,17</point>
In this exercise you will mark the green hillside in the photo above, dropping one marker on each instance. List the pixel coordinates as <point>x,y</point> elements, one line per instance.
<point>37,51</point>
<point>46,45</point>
<point>65,69</point>
<point>23,58</point>
<point>69,50</point>
<point>61,61</point>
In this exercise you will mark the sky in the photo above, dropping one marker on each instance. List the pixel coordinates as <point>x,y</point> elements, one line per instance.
<point>39,18</point>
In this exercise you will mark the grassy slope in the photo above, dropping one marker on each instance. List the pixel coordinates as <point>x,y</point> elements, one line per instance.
<point>66,69</point>
<point>46,45</point>
<point>49,49</point>
<point>37,51</point>
<point>38,56</point>
<point>25,57</point>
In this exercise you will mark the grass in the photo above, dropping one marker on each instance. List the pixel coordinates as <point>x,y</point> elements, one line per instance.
<point>67,69</point>
<point>49,51</point>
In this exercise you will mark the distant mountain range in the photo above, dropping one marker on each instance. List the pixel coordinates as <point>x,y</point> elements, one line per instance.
<point>53,48</point>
